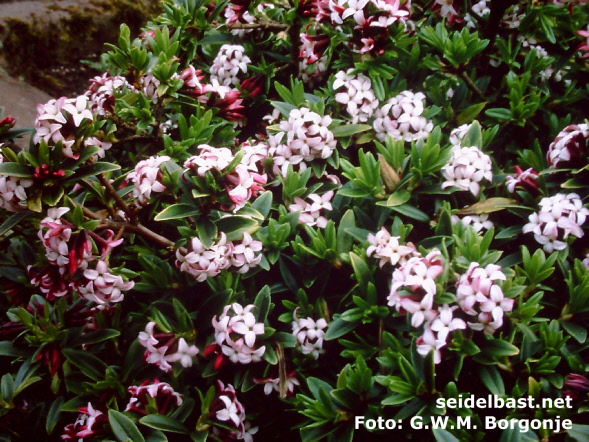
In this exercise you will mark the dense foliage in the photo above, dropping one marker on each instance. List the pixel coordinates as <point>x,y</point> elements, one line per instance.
<point>267,219</point>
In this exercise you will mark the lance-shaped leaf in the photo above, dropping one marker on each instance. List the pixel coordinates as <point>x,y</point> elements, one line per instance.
<point>16,169</point>
<point>488,206</point>
<point>177,211</point>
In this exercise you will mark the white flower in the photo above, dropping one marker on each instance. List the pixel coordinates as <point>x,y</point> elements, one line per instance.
<point>560,216</point>
<point>445,323</point>
<point>13,196</point>
<point>388,249</point>
<point>209,158</point>
<point>184,354</point>
<point>229,62</point>
<point>478,222</point>
<point>309,334</point>
<point>78,109</point>
<point>358,95</point>
<point>146,178</point>
<point>311,213</point>
<point>302,138</point>
<point>467,167</point>
<point>204,263</point>
<point>243,255</point>
<point>401,118</point>
<point>104,287</point>
<point>569,144</point>
<point>428,342</point>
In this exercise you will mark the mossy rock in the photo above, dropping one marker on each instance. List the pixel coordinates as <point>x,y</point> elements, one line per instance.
<point>46,49</point>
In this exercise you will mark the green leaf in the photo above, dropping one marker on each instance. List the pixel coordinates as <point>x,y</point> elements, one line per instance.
<point>90,365</point>
<point>96,336</point>
<point>13,220</point>
<point>411,212</point>
<point>93,170</point>
<point>575,330</point>
<point>7,387</point>
<point>124,428</point>
<point>53,414</point>
<point>7,349</point>
<point>177,211</point>
<point>499,348</point>
<point>347,130</point>
<point>474,136</point>
<point>362,271</point>
<point>398,198</point>
<point>338,327</point>
<point>235,226</point>
<point>579,432</point>
<point>492,380</point>
<point>499,113</point>
<point>470,113</point>
<point>16,169</point>
<point>262,303</point>
<point>263,203</point>
<point>489,205</point>
<point>163,423</point>
<point>442,435</point>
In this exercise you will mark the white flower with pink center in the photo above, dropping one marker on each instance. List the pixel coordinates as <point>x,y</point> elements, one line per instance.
<point>444,323</point>
<point>388,249</point>
<point>239,320</point>
<point>357,95</point>
<point>104,287</point>
<point>203,263</point>
<point>311,213</point>
<point>467,168</point>
<point>305,136</point>
<point>184,354</point>
<point>242,184</point>
<point>560,216</point>
<point>103,91</point>
<point>244,255</point>
<point>228,64</point>
<point>146,178</point>
<point>428,342</point>
<point>55,234</point>
<point>477,222</point>
<point>13,196</point>
<point>209,158</point>
<point>415,278</point>
<point>478,294</point>
<point>309,334</point>
<point>78,109</point>
<point>402,118</point>
<point>569,144</point>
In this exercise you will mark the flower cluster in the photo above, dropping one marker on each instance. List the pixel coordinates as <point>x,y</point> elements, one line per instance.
<point>478,295</point>
<point>402,118</point>
<point>155,394</point>
<point>103,91</point>
<point>13,195</point>
<point>569,145</point>
<point>302,138</point>
<point>559,216</point>
<point>230,61</point>
<point>273,384</point>
<point>164,348</point>
<point>526,179</point>
<point>467,168</point>
<point>311,213</point>
<point>242,183</point>
<point>477,222</point>
<point>147,178</point>
<point>58,121</point>
<point>309,334</point>
<point>89,424</point>
<point>202,262</point>
<point>358,95</point>
<point>227,410</point>
<point>388,249</point>
<point>235,333</point>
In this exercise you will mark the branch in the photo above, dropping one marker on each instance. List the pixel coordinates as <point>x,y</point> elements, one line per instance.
<point>138,229</point>
<point>122,205</point>
<point>473,87</point>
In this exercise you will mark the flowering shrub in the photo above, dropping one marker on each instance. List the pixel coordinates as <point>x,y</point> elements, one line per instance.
<point>268,219</point>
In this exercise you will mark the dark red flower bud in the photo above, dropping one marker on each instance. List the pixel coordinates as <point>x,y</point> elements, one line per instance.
<point>254,85</point>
